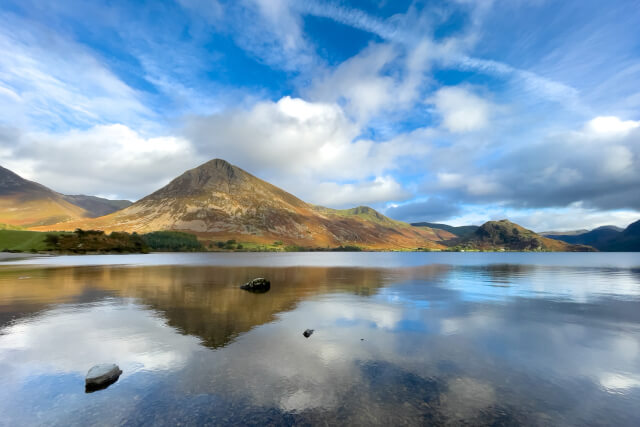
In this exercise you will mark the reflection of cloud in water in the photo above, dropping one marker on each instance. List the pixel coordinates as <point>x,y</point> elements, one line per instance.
<point>502,281</point>
<point>619,382</point>
<point>71,339</point>
<point>436,349</point>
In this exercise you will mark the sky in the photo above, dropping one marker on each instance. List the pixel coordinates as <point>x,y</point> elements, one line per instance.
<point>456,111</point>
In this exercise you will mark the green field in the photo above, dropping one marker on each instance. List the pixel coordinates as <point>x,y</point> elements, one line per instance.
<point>19,240</point>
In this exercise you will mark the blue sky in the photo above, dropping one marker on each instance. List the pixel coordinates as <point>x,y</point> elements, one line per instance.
<point>457,111</point>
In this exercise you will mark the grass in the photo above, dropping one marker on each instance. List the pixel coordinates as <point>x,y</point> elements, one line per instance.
<point>22,240</point>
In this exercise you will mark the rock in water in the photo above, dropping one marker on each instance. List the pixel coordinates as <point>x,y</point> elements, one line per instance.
<point>257,285</point>
<point>102,376</point>
<point>307,333</point>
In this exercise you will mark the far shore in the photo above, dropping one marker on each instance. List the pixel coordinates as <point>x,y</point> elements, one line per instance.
<point>13,256</point>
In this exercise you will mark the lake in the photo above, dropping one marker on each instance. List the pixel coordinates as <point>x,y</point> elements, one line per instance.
<point>399,338</point>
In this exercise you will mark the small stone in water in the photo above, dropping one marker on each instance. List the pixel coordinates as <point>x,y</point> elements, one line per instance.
<point>257,285</point>
<point>102,376</point>
<point>307,333</point>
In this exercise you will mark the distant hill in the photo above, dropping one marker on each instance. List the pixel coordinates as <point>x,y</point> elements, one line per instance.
<point>460,231</point>
<point>219,201</point>
<point>627,241</point>
<point>598,237</point>
<point>608,238</point>
<point>97,206</point>
<point>26,203</point>
<point>504,234</point>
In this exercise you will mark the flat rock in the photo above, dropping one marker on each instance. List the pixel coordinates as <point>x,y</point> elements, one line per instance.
<point>259,284</point>
<point>101,376</point>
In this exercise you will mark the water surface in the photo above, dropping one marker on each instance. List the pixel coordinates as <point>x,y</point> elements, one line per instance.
<point>413,338</point>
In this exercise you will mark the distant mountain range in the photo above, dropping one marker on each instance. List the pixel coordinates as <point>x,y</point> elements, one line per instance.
<point>218,201</point>
<point>607,238</point>
<point>27,203</point>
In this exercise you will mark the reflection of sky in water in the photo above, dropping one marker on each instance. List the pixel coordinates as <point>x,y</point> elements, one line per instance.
<point>550,345</point>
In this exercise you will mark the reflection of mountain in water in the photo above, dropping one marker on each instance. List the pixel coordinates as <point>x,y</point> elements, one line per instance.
<point>200,301</point>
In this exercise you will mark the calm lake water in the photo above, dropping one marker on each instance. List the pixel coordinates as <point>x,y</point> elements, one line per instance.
<point>404,338</point>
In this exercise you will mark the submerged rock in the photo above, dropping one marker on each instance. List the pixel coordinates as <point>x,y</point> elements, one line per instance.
<point>259,284</point>
<point>307,333</point>
<point>102,376</point>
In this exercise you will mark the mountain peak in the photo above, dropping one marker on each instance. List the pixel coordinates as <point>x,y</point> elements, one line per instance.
<point>12,183</point>
<point>9,178</point>
<point>217,165</point>
<point>216,175</point>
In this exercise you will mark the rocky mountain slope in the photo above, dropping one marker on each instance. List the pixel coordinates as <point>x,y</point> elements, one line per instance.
<point>28,204</point>
<point>220,201</point>
<point>504,234</point>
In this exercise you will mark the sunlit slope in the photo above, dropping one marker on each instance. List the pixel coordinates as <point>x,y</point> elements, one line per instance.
<point>26,203</point>
<point>218,200</point>
<point>504,234</point>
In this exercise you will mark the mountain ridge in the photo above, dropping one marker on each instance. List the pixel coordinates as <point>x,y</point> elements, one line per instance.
<point>607,238</point>
<point>218,200</point>
<point>27,203</point>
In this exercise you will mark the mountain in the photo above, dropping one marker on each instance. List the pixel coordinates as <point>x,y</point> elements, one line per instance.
<point>97,206</point>
<point>608,238</point>
<point>28,204</point>
<point>627,241</point>
<point>460,231</point>
<point>598,237</point>
<point>506,235</point>
<point>219,201</point>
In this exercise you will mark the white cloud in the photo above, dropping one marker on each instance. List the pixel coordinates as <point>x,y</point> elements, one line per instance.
<point>106,159</point>
<point>270,30</point>
<point>51,81</point>
<point>610,126</point>
<point>379,190</point>
<point>309,149</point>
<point>367,87</point>
<point>461,109</point>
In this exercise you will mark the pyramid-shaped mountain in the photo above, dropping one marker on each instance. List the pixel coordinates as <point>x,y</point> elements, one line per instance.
<point>220,201</point>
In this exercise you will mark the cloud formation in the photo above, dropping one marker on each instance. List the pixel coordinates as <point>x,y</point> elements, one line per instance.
<point>113,159</point>
<point>453,111</point>
<point>310,149</point>
<point>461,109</point>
